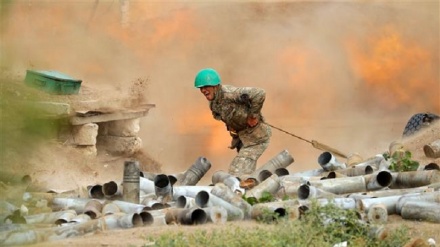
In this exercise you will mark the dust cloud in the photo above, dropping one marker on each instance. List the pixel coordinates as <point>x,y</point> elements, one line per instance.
<point>347,74</point>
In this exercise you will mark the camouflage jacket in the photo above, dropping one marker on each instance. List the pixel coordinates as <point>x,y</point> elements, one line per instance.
<point>233,105</point>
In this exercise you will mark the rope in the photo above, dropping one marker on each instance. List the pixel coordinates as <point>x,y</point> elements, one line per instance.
<point>290,133</point>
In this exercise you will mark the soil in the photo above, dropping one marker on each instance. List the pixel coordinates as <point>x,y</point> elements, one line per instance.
<point>59,167</point>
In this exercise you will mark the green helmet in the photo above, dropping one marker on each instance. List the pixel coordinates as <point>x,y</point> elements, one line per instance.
<point>207,77</point>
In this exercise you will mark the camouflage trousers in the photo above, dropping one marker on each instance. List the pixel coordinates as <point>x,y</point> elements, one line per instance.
<point>255,142</point>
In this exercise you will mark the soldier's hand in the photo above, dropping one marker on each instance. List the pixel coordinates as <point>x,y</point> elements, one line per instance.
<point>252,121</point>
<point>236,144</point>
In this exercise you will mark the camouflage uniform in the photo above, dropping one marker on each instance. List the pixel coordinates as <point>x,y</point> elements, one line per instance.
<point>233,105</point>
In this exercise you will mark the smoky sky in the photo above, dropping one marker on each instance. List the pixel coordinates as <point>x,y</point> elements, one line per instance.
<point>348,74</point>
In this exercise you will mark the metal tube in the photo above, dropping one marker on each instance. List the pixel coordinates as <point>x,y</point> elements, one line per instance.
<point>416,210</point>
<point>343,203</point>
<point>271,185</point>
<point>146,185</point>
<point>81,218</point>
<point>65,218</point>
<point>219,176</point>
<point>288,208</point>
<point>430,166</point>
<point>294,179</point>
<point>130,220</point>
<point>193,216</point>
<point>32,236</point>
<point>154,204</point>
<point>112,189</point>
<point>390,202</point>
<point>79,192</point>
<point>394,192</point>
<point>95,191</point>
<point>93,208</point>
<point>418,197</point>
<point>131,181</point>
<point>159,220</point>
<point>206,199</point>
<point>222,191</point>
<point>309,173</point>
<point>353,171</point>
<point>341,185</point>
<point>379,180</point>
<point>111,221</point>
<point>281,160</point>
<point>190,216</point>
<point>328,162</point>
<point>162,188</point>
<point>216,214</point>
<point>229,180</point>
<point>288,188</point>
<point>281,172</point>
<point>373,162</point>
<point>128,207</point>
<point>147,218</point>
<point>190,191</point>
<point>147,175</point>
<point>174,177</point>
<point>123,221</point>
<point>432,150</point>
<point>157,216</point>
<point>234,184</point>
<point>150,176</point>
<point>334,174</point>
<point>77,204</point>
<point>306,191</point>
<point>36,196</point>
<point>58,217</point>
<point>263,175</point>
<point>413,179</point>
<point>193,175</point>
<point>185,202</point>
<point>377,214</point>
<point>110,208</point>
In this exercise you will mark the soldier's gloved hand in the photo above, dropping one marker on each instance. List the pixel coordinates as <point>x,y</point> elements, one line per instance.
<point>236,143</point>
<point>252,121</point>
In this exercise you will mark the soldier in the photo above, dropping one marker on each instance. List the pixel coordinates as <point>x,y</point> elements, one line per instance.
<point>240,110</point>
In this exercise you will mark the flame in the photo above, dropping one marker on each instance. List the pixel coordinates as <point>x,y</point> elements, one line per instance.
<point>391,66</point>
<point>216,138</point>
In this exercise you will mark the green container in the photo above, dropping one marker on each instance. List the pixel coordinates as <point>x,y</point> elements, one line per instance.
<point>52,82</point>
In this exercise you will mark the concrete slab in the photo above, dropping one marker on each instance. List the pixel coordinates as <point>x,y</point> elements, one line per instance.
<point>96,116</point>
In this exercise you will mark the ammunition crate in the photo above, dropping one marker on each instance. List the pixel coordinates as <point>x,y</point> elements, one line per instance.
<point>52,82</point>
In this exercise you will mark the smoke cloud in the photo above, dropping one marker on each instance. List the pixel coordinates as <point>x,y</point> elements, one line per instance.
<point>347,74</point>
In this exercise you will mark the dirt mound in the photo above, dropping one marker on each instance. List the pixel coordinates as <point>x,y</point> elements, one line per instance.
<point>417,141</point>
